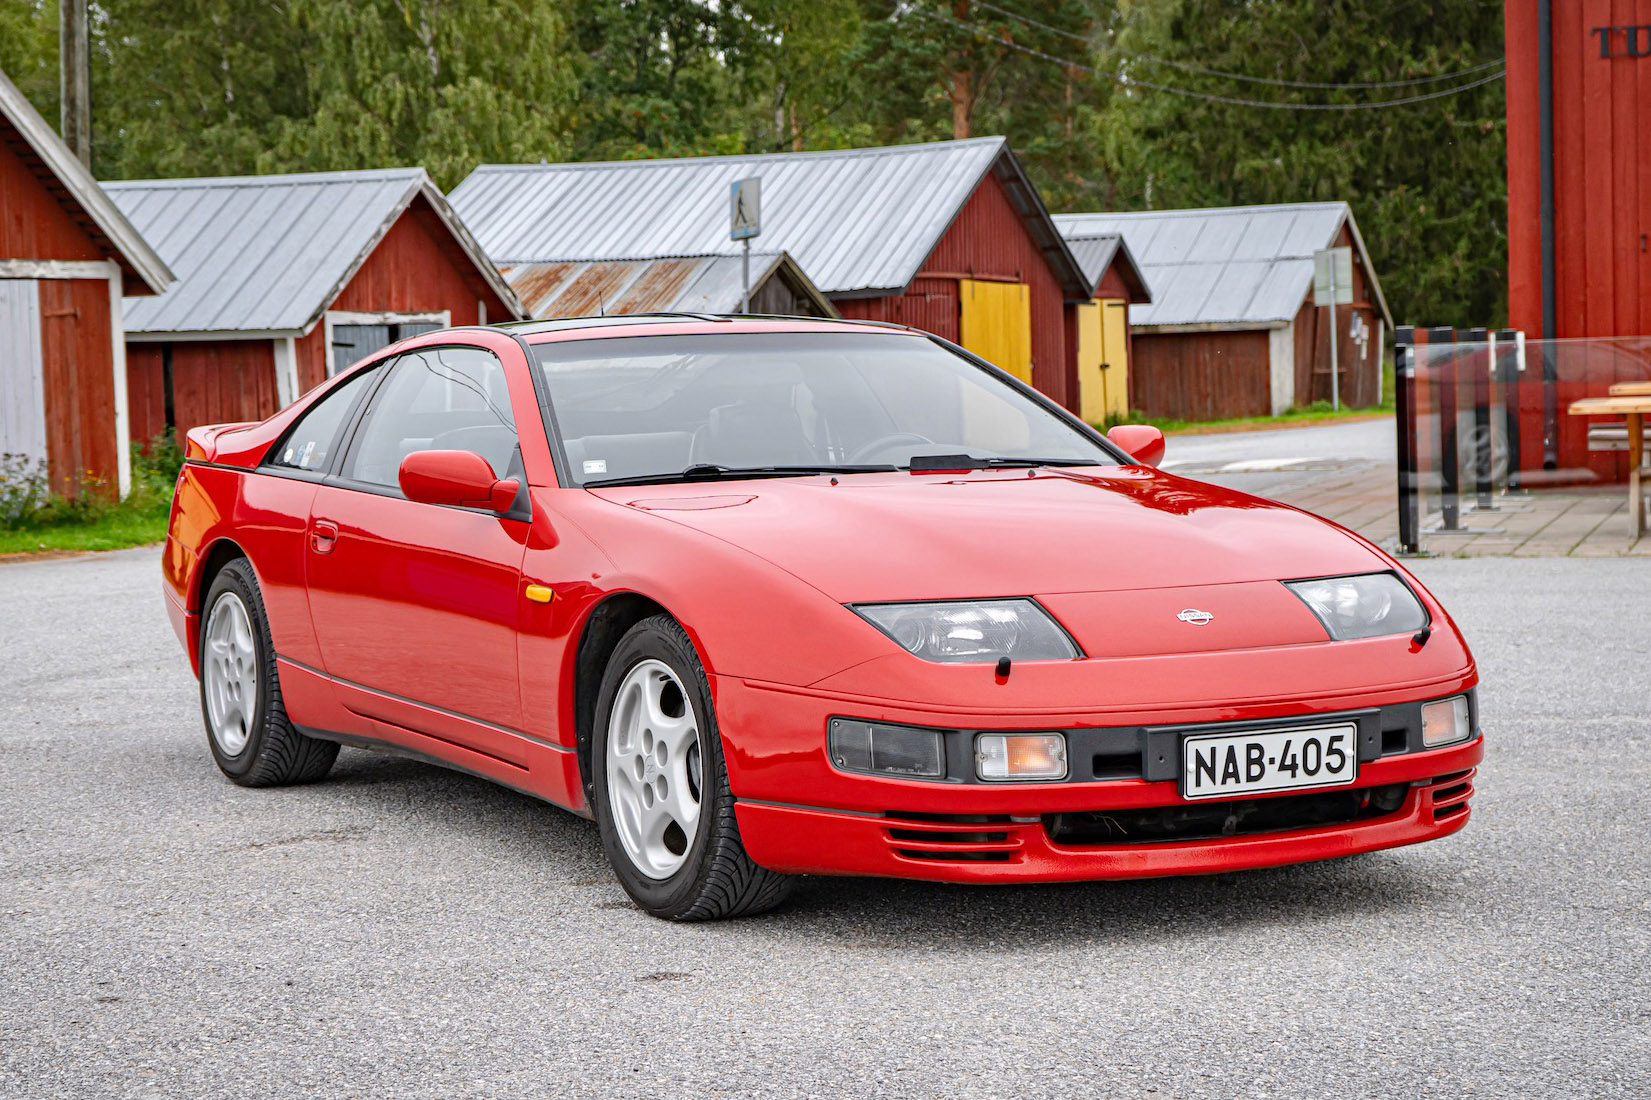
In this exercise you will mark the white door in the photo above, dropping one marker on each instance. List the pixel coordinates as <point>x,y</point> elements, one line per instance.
<point>22,389</point>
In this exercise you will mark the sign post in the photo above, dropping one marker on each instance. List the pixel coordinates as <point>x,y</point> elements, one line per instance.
<point>1332,286</point>
<point>745,222</point>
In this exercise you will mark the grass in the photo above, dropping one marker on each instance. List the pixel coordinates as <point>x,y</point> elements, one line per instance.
<point>34,522</point>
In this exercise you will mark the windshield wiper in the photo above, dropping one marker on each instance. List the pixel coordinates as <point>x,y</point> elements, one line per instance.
<point>710,471</point>
<point>938,463</point>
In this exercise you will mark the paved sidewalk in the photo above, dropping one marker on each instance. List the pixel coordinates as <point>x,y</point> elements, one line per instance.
<point>1580,522</point>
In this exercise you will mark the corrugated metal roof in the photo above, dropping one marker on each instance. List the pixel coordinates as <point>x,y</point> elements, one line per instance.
<point>854,219</point>
<point>269,253</point>
<point>143,269</point>
<point>1096,254</point>
<point>1239,265</point>
<point>668,284</point>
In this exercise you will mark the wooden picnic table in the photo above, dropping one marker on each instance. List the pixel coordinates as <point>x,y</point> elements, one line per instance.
<point>1631,389</point>
<point>1634,409</point>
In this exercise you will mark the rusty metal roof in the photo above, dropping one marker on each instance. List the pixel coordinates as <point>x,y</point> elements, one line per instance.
<point>1236,266</point>
<point>660,284</point>
<point>859,221</point>
<point>266,255</point>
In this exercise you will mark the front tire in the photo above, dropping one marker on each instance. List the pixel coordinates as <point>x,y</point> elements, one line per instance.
<point>247,728</point>
<point>661,786</point>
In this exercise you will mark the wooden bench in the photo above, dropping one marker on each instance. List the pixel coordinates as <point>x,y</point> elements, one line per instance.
<point>1633,409</point>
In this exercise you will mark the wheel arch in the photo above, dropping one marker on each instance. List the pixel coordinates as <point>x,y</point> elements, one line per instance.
<point>219,554</point>
<point>606,624</point>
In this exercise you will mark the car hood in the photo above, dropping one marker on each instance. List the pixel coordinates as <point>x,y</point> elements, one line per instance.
<point>901,536</point>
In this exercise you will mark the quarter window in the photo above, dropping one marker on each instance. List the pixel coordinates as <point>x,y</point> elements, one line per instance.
<point>311,443</point>
<point>436,399</point>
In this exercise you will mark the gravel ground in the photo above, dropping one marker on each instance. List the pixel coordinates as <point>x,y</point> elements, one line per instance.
<point>402,930</point>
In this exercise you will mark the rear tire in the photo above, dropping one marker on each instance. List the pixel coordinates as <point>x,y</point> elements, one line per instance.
<point>661,786</point>
<point>247,729</point>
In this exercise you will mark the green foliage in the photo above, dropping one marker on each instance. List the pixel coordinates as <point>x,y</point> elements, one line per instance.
<point>32,519</point>
<point>1427,181</point>
<point>206,87</point>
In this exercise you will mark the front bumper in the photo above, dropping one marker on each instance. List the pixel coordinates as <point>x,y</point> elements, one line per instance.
<point>797,814</point>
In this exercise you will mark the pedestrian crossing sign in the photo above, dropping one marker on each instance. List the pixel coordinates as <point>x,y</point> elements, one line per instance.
<point>744,210</point>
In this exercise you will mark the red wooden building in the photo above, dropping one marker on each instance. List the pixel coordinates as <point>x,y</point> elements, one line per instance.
<point>1231,329</point>
<point>1579,208</point>
<point>67,259</point>
<point>284,280</point>
<point>948,236</point>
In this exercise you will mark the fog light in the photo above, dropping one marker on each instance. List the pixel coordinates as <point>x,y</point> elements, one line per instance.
<point>1445,721</point>
<point>886,750</point>
<point>1020,756</point>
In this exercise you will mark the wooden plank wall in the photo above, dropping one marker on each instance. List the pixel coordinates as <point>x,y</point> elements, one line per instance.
<point>34,224</point>
<point>1602,170</point>
<point>145,391</point>
<point>79,385</point>
<point>213,382</point>
<point>1201,375</point>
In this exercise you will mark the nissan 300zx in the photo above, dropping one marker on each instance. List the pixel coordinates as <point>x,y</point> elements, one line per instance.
<point>768,597</point>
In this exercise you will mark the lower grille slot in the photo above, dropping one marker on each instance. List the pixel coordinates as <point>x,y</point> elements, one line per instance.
<point>953,838</point>
<point>955,857</point>
<point>1215,820</point>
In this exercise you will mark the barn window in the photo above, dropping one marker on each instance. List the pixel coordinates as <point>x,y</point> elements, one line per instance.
<point>351,337</point>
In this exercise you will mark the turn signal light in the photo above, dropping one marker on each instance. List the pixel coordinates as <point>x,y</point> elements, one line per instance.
<point>1020,756</point>
<point>1445,722</point>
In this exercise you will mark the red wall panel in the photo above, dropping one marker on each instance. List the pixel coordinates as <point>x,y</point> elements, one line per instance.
<point>81,447</point>
<point>1602,170</point>
<point>145,391</point>
<point>35,224</point>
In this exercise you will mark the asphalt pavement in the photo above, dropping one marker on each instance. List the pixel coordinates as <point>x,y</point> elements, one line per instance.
<point>400,930</point>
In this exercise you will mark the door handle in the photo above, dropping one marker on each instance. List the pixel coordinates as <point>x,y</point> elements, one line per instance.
<point>324,536</point>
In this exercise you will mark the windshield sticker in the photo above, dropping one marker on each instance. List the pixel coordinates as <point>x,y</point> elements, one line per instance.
<point>596,465</point>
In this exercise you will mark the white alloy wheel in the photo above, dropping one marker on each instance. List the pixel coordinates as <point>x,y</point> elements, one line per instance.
<point>229,673</point>
<point>653,768</point>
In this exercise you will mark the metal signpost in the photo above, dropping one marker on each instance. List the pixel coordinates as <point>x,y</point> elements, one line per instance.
<point>745,222</point>
<point>1333,286</point>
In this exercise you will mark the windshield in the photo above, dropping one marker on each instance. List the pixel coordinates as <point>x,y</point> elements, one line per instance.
<point>662,407</point>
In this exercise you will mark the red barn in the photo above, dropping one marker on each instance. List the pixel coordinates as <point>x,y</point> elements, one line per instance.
<point>68,258</point>
<point>1579,209</point>
<point>284,280</point>
<point>948,236</point>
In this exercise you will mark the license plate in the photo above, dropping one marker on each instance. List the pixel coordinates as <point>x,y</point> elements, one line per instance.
<point>1220,765</point>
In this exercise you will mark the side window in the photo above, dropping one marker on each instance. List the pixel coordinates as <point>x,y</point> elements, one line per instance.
<point>436,399</point>
<point>311,442</point>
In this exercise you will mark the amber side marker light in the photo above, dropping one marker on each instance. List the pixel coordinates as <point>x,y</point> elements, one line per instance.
<point>1445,722</point>
<point>1000,756</point>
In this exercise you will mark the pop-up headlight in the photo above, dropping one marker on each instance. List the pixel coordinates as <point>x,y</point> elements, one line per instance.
<point>972,631</point>
<point>1364,606</point>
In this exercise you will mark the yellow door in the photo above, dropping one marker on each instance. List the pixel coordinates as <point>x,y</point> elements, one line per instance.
<point>1103,359</point>
<point>1115,323</point>
<point>996,324</point>
<point>1092,395</point>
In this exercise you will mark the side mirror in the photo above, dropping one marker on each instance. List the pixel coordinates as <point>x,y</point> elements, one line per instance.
<point>1142,442</point>
<point>458,479</point>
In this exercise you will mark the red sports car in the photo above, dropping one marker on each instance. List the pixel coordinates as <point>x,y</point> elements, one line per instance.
<point>768,597</point>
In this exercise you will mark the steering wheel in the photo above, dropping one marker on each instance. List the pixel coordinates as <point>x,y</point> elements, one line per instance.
<point>884,442</point>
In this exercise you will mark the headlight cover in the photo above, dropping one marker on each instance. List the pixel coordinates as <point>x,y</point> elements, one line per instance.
<point>1365,606</point>
<point>972,631</point>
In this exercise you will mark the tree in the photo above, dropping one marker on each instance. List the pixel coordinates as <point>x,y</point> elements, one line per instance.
<point>441,83</point>
<point>1426,180</point>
